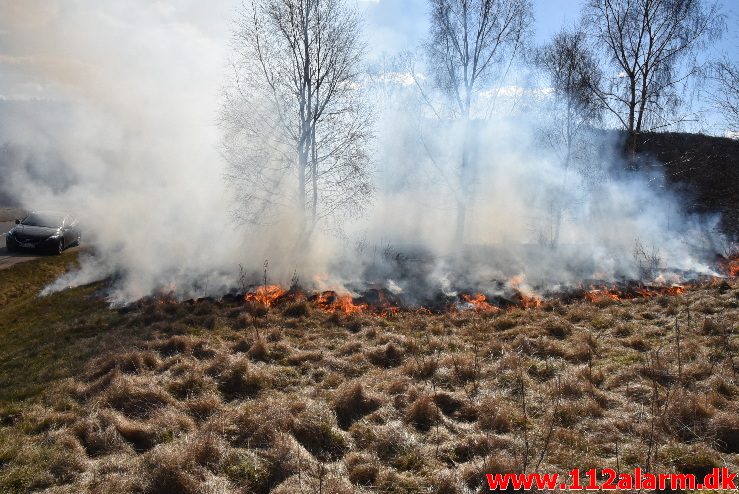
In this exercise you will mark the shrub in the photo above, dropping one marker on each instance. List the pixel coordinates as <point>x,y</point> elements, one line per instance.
<point>686,415</point>
<point>240,380</point>
<point>245,469</point>
<point>135,399</point>
<point>169,471</point>
<point>202,351</point>
<point>132,362</point>
<point>352,403</point>
<point>557,327</point>
<point>425,368</point>
<point>693,459</point>
<point>473,473</point>
<point>99,436</point>
<point>386,356</point>
<point>394,444</point>
<point>284,458</point>
<point>316,430</point>
<point>40,419</point>
<point>297,309</point>
<point>241,345</point>
<point>354,324</point>
<point>447,403</point>
<point>192,383</point>
<point>637,342</point>
<point>362,468</point>
<point>423,413</point>
<point>141,435</point>
<point>445,482</point>
<point>174,345</point>
<point>503,323</point>
<point>725,427</point>
<point>255,424</point>
<point>255,309</point>
<point>494,416</point>
<point>207,450</point>
<point>711,326</point>
<point>258,350</point>
<point>203,407</point>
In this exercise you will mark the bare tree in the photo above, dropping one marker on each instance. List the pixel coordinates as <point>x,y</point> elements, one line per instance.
<point>651,46</point>
<point>468,41</point>
<point>297,131</point>
<point>571,72</point>
<point>726,74</point>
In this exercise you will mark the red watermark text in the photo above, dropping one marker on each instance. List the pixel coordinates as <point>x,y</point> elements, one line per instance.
<point>608,479</point>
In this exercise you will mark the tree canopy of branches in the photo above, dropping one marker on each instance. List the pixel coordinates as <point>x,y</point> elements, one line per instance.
<point>296,129</point>
<point>727,97</point>
<point>571,71</point>
<point>651,47</point>
<point>468,41</point>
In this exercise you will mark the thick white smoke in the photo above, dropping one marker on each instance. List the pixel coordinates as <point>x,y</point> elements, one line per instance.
<point>122,132</point>
<point>110,111</point>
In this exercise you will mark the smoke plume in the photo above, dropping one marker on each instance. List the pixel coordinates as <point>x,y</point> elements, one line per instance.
<point>110,112</point>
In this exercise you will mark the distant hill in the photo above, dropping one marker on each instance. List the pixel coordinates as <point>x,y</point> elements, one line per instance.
<point>705,169</point>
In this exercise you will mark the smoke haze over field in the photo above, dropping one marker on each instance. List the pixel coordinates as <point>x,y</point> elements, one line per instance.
<point>122,131</point>
<point>110,110</point>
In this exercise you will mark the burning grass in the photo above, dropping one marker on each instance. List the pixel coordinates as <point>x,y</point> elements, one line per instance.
<point>270,396</point>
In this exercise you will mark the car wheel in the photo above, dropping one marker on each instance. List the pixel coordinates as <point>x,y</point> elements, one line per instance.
<point>60,246</point>
<point>10,247</point>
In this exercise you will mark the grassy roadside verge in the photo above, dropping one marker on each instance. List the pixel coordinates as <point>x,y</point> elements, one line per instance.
<point>43,339</point>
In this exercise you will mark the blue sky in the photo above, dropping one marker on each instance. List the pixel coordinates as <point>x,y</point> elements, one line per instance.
<point>395,25</point>
<point>50,44</point>
<point>391,24</point>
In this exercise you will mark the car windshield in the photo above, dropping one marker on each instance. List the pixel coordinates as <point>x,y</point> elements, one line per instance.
<point>43,219</point>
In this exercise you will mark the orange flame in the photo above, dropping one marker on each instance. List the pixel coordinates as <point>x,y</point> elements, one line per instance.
<point>528,302</point>
<point>602,294</point>
<point>524,295</point>
<point>674,290</point>
<point>330,301</point>
<point>479,302</point>
<point>730,265</point>
<point>266,295</point>
<point>733,268</point>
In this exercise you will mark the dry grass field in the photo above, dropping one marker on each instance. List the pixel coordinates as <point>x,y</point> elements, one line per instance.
<point>219,397</point>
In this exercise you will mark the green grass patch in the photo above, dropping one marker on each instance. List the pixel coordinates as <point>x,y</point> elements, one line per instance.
<point>44,339</point>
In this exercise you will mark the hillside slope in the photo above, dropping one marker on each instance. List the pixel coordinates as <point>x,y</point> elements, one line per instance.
<point>704,169</point>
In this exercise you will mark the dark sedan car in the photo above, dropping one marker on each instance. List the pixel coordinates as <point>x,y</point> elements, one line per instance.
<point>44,230</point>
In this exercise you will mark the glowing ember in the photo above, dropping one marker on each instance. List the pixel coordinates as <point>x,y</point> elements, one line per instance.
<point>479,302</point>
<point>601,294</point>
<point>266,295</point>
<point>604,293</point>
<point>382,306</point>
<point>389,311</point>
<point>330,301</point>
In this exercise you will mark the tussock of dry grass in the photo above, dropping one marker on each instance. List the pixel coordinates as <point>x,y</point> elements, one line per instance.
<point>352,403</point>
<point>233,397</point>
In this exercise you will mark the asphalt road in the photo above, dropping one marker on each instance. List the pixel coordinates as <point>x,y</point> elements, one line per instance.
<point>7,259</point>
